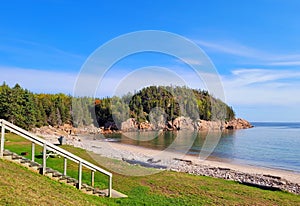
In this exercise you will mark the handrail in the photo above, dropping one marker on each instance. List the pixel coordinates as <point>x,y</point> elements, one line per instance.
<point>49,146</point>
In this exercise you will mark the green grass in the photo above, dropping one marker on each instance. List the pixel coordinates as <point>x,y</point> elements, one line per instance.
<point>164,188</point>
<point>19,186</point>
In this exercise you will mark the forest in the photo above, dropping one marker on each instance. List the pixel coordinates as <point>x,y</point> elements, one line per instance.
<point>29,110</point>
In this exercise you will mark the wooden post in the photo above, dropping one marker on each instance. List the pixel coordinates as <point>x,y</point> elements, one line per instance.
<point>32,151</point>
<point>2,140</point>
<point>79,175</point>
<point>65,166</point>
<point>44,159</point>
<point>92,178</point>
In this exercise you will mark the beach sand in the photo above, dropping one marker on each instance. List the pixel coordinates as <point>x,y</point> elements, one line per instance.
<point>121,151</point>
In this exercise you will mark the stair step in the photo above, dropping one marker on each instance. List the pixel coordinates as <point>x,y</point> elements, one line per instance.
<point>99,192</point>
<point>25,161</point>
<point>49,170</point>
<point>115,193</point>
<point>16,157</point>
<point>72,180</point>
<point>87,187</point>
<point>63,178</point>
<point>34,164</point>
<point>7,153</point>
<point>59,176</point>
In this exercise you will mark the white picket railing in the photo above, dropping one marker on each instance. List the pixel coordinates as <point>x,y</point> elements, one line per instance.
<point>47,146</point>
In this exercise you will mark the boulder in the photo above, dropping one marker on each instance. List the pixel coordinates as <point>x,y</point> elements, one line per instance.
<point>183,123</point>
<point>129,125</point>
<point>238,124</point>
<point>204,125</point>
<point>145,126</point>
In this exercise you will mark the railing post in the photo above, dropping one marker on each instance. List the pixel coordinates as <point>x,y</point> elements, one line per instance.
<point>2,140</point>
<point>44,159</point>
<point>79,175</point>
<point>67,155</point>
<point>32,151</point>
<point>92,178</point>
<point>65,166</point>
<point>110,186</point>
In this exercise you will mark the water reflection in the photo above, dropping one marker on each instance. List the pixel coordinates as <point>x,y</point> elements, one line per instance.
<point>274,145</point>
<point>226,146</point>
<point>202,144</point>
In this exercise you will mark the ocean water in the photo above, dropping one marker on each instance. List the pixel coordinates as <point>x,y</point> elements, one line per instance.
<point>270,145</point>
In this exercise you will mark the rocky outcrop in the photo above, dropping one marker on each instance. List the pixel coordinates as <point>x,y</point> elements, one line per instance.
<point>129,125</point>
<point>238,124</point>
<point>185,123</point>
<point>52,134</point>
<point>110,126</point>
<point>132,125</point>
<point>145,126</point>
<point>203,125</point>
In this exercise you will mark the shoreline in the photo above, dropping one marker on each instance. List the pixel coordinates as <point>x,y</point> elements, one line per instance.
<point>156,161</point>
<point>215,161</point>
<point>123,152</point>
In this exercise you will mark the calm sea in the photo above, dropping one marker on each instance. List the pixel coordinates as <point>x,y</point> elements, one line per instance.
<point>271,145</point>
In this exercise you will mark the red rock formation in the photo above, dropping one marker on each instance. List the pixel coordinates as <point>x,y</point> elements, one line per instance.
<point>238,124</point>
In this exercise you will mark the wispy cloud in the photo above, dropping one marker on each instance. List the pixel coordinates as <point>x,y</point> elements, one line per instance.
<point>261,86</point>
<point>39,80</point>
<point>259,56</point>
<point>33,54</point>
<point>252,76</point>
<point>231,48</point>
<point>51,49</point>
<point>285,63</point>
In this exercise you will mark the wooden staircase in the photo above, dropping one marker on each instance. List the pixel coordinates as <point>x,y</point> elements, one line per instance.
<point>53,174</point>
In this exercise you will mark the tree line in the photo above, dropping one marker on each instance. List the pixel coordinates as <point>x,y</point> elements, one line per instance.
<point>154,101</point>
<point>28,110</point>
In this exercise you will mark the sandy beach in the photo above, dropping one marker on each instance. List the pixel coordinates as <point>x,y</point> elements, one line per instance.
<point>167,159</point>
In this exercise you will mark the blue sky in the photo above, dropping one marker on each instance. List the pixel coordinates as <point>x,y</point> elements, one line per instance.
<point>254,45</point>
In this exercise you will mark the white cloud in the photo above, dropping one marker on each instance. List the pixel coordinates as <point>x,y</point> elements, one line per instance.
<point>285,63</point>
<point>39,80</point>
<point>36,55</point>
<point>261,57</point>
<point>261,86</point>
<point>231,48</point>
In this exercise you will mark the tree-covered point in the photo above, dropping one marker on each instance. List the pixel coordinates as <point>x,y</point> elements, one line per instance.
<point>29,110</point>
<point>169,101</point>
<point>179,101</point>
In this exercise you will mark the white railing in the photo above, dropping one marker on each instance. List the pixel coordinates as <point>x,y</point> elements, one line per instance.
<point>47,146</point>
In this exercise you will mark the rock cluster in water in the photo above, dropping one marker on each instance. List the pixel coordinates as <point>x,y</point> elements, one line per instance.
<point>257,180</point>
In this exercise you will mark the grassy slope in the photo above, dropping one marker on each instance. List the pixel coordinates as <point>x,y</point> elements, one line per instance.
<point>19,186</point>
<point>164,188</point>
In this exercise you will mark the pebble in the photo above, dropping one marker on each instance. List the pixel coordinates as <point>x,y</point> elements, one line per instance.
<point>257,180</point>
